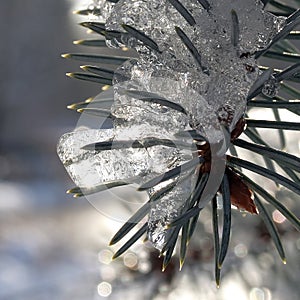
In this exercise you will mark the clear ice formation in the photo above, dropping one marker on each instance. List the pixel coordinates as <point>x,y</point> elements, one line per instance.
<point>167,209</point>
<point>212,93</point>
<point>271,87</point>
<point>133,165</point>
<point>103,8</point>
<point>232,69</point>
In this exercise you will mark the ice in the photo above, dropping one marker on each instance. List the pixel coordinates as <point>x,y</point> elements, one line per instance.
<point>167,209</point>
<point>232,70</point>
<point>105,8</point>
<point>158,18</point>
<point>152,116</point>
<point>271,87</point>
<point>133,165</point>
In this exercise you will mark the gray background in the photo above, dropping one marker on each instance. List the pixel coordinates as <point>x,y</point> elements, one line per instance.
<point>47,248</point>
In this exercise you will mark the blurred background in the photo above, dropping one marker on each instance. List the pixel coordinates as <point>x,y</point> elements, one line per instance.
<point>54,247</point>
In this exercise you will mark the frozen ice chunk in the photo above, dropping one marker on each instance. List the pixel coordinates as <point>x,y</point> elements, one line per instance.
<point>271,87</point>
<point>133,165</point>
<point>230,70</point>
<point>103,8</point>
<point>166,209</point>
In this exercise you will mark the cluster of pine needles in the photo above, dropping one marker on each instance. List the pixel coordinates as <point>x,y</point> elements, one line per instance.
<point>236,188</point>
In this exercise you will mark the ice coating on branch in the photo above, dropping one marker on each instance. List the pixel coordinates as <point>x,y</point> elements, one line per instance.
<point>167,209</point>
<point>210,93</point>
<point>102,9</point>
<point>228,70</point>
<point>271,87</point>
<point>213,93</point>
<point>157,19</point>
<point>133,165</point>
